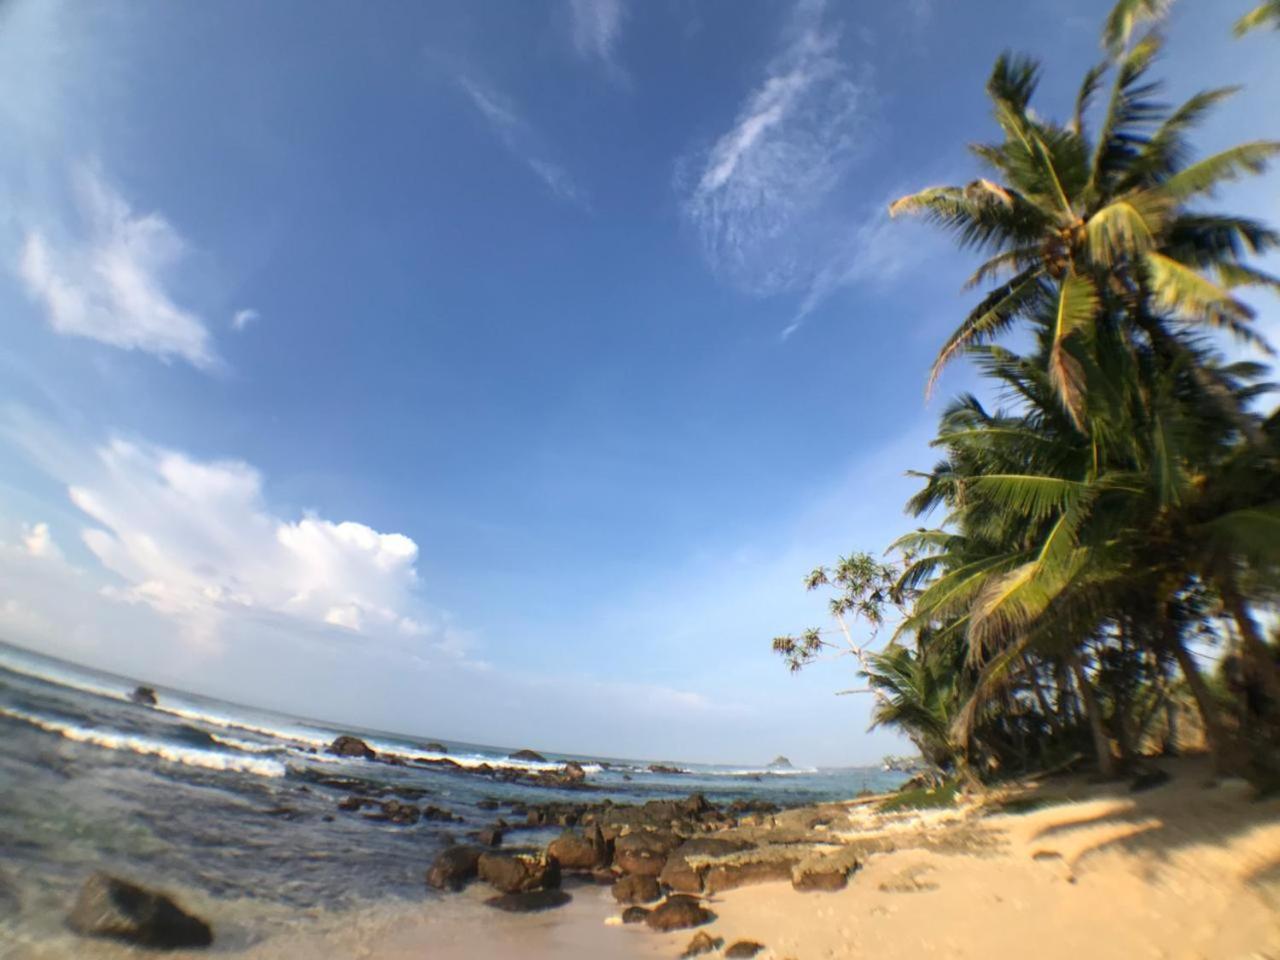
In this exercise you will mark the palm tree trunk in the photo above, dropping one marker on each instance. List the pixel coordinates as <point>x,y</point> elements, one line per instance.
<point>1259,661</point>
<point>1101,742</point>
<point>1041,699</point>
<point>1214,732</point>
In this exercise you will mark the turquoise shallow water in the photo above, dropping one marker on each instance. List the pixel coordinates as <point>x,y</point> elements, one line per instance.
<point>240,805</point>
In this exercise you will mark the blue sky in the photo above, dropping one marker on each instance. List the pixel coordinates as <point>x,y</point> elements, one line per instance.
<point>494,371</point>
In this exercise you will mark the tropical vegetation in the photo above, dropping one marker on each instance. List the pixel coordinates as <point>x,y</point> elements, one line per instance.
<point>1107,525</point>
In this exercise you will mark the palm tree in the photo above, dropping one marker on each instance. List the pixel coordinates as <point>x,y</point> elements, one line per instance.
<point>1266,14</point>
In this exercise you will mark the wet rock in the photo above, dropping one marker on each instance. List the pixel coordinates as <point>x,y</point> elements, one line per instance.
<point>678,913</point>
<point>574,851</point>
<point>665,768</point>
<point>644,852</point>
<point>439,814</point>
<point>701,943</point>
<point>683,876</point>
<point>146,696</point>
<point>489,837</point>
<point>637,889</point>
<point>573,772</point>
<point>518,873</point>
<point>453,868</point>
<point>488,803</point>
<point>436,747</point>
<point>529,901</point>
<point>532,756</point>
<point>634,915</point>
<point>345,746</point>
<point>115,908</point>
<point>401,813</point>
<point>743,949</point>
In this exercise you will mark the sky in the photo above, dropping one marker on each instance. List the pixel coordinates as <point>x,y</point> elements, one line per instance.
<point>496,371</point>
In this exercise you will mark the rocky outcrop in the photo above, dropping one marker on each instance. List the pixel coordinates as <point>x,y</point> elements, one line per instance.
<point>687,863</point>
<point>780,763</point>
<point>678,912</point>
<point>531,756</point>
<point>701,943</point>
<point>634,915</point>
<point>577,851</point>
<point>644,852</point>
<point>115,908</point>
<point>454,867</point>
<point>665,768</point>
<point>518,872</point>
<point>144,695</point>
<point>530,901</point>
<point>346,746</point>
<point>637,889</point>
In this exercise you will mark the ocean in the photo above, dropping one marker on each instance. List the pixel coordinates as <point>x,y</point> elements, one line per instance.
<point>237,809</point>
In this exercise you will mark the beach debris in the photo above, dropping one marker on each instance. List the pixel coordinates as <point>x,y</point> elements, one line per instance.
<point>634,914</point>
<point>744,948</point>
<point>345,746</point>
<point>678,912</point>
<point>111,907</point>
<point>644,852</point>
<point>518,872</point>
<point>146,696</point>
<point>529,901</point>
<point>639,888</point>
<point>530,756</point>
<point>453,867</point>
<point>701,943</point>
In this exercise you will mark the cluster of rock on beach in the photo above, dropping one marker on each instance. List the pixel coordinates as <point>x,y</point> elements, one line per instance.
<point>664,860</point>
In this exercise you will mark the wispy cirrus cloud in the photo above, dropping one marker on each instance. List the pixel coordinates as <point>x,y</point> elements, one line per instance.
<point>763,197</point>
<point>520,139</point>
<point>107,278</point>
<point>597,26</point>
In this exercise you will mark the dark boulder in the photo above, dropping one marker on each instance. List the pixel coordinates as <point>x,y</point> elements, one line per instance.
<point>701,943</point>
<point>678,913</point>
<point>665,768</point>
<point>532,756</point>
<point>637,889</point>
<point>644,852</point>
<point>439,814</point>
<point>529,901</point>
<point>144,695</point>
<point>453,868</point>
<point>115,908</point>
<point>634,915</point>
<point>489,837</point>
<point>575,851</point>
<point>345,746</point>
<point>518,873</point>
<point>401,813</point>
<point>573,772</point>
<point>744,949</point>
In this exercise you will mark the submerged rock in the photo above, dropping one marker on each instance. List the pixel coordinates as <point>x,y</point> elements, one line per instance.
<point>144,695</point>
<point>346,746</point>
<point>529,901</point>
<point>115,908</point>
<point>701,943</point>
<point>678,913</point>
<point>453,868</point>
<point>532,756</point>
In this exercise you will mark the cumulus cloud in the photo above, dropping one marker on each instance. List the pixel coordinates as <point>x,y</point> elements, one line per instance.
<point>242,318</point>
<point>763,197</point>
<point>520,139</point>
<point>597,25</point>
<point>109,281</point>
<point>39,541</point>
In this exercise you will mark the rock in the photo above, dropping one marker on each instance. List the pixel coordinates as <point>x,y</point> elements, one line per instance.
<point>678,912</point>
<point>345,746</point>
<point>701,943</point>
<point>530,755</point>
<point>573,772</point>
<point>435,747</point>
<point>529,901</point>
<point>726,876</point>
<point>440,814</point>
<point>518,873</point>
<point>681,876</point>
<point>637,889</point>
<point>488,804</point>
<point>665,768</point>
<point>401,813</point>
<point>489,837</point>
<point>780,763</point>
<point>634,915</point>
<point>115,908</point>
<point>644,852</point>
<point>144,695</point>
<point>575,851</point>
<point>834,878</point>
<point>453,868</point>
<point>744,948</point>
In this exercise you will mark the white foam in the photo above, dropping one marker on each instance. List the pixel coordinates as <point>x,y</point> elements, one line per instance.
<point>188,756</point>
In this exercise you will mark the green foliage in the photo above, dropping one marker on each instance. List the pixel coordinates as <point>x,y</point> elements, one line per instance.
<point>921,798</point>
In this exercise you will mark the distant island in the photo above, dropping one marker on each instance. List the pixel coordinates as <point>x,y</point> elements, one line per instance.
<point>779,763</point>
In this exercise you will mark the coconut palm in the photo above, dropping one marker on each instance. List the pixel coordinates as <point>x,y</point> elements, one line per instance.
<point>1268,14</point>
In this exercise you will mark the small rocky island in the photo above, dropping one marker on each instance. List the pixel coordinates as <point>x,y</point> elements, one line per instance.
<point>780,763</point>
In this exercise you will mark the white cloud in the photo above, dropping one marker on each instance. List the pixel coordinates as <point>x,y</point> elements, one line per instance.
<point>242,318</point>
<point>764,197</point>
<point>520,139</point>
<point>597,25</point>
<point>109,283</point>
<point>39,541</point>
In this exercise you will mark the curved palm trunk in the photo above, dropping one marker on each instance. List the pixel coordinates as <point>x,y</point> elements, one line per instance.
<point>1214,732</point>
<point>1260,667</point>
<point>1101,742</point>
<point>1043,700</point>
